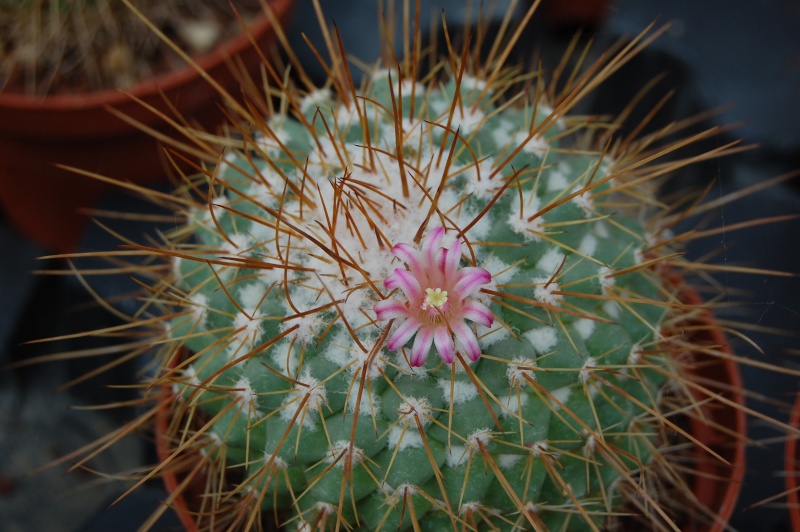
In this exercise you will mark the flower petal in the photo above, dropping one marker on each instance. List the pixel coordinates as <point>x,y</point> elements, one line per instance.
<point>422,346</point>
<point>469,281</point>
<point>467,340</point>
<point>409,255</point>
<point>430,247</point>
<point>477,312</point>
<point>444,344</point>
<point>405,281</point>
<point>390,309</point>
<point>451,260</point>
<point>403,334</point>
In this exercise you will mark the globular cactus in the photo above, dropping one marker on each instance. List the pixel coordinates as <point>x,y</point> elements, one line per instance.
<point>426,302</point>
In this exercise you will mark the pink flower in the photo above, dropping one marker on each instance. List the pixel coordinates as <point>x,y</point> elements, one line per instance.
<point>439,297</point>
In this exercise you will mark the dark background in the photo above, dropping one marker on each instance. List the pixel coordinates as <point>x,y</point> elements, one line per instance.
<point>745,53</point>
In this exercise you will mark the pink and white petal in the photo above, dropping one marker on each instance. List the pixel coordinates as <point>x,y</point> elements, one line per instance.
<point>403,334</point>
<point>407,254</point>
<point>469,281</point>
<point>389,309</point>
<point>467,340</point>
<point>430,247</point>
<point>405,281</point>
<point>422,346</point>
<point>451,259</point>
<point>477,312</point>
<point>443,340</point>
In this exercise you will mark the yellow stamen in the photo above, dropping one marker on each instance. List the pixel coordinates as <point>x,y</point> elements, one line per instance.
<point>434,297</point>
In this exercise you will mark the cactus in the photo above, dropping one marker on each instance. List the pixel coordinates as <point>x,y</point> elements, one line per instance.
<point>426,302</point>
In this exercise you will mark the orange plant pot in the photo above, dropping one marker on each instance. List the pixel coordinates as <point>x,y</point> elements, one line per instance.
<point>45,202</point>
<point>717,485</point>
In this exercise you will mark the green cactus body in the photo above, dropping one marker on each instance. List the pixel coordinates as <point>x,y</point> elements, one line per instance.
<point>286,357</point>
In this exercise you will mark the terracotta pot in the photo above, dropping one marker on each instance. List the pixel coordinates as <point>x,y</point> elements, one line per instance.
<point>37,133</point>
<point>171,482</point>
<point>716,486</point>
<point>792,461</point>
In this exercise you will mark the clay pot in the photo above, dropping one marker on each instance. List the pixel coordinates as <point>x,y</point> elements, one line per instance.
<point>36,133</point>
<point>716,486</point>
<point>792,461</point>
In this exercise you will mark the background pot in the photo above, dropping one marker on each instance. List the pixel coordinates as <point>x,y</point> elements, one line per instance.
<point>36,133</point>
<point>717,485</point>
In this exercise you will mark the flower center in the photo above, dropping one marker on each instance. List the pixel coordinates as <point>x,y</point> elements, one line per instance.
<point>434,297</point>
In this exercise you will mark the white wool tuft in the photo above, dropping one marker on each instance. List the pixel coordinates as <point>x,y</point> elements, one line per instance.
<point>562,395</point>
<point>402,438</point>
<point>340,450</point>
<point>606,280</point>
<point>590,446</point>
<point>551,260</point>
<point>311,394</point>
<point>584,201</point>
<point>313,99</point>
<point>491,335</point>
<point>635,356</point>
<point>236,244</point>
<point>537,145</point>
<point>462,391</point>
<point>177,275</point>
<point>558,178</point>
<point>542,338</point>
<point>601,229</point>
<point>513,402</point>
<point>508,461</point>
<point>503,134</point>
<point>538,448</point>
<point>545,291</point>
<point>478,438</point>
<point>518,220</point>
<point>588,366</point>
<point>249,331</point>
<point>244,394</point>
<point>252,294</point>
<point>199,303</point>
<point>584,327</point>
<point>468,120</point>
<point>477,182</point>
<point>473,84</point>
<point>456,455</point>
<point>518,369</point>
<point>588,245</point>
<point>370,403</point>
<point>277,461</point>
<point>270,143</point>
<point>285,357</point>
<point>612,309</point>
<point>414,409</point>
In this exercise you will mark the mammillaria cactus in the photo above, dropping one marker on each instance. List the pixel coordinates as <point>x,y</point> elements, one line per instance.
<point>430,301</point>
